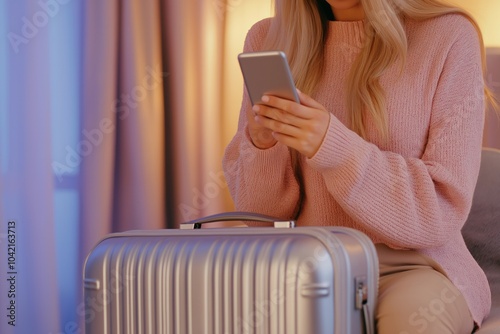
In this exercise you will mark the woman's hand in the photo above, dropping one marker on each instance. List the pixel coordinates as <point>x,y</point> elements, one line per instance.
<point>261,136</point>
<point>300,126</point>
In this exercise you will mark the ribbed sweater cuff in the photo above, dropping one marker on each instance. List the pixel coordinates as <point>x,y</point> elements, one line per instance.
<point>267,157</point>
<point>338,147</point>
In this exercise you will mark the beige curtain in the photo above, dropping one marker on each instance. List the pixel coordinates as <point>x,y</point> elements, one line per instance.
<point>123,116</point>
<point>206,86</point>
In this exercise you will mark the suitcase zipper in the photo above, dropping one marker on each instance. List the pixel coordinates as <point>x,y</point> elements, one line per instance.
<point>361,302</point>
<point>361,292</point>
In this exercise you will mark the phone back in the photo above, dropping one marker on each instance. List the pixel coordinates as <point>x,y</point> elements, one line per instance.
<point>239,280</point>
<point>267,72</point>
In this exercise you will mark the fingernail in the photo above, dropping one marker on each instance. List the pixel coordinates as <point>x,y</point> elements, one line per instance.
<point>255,108</point>
<point>265,98</point>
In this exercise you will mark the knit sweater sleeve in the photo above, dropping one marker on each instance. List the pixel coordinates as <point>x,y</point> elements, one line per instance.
<point>416,203</point>
<point>259,181</point>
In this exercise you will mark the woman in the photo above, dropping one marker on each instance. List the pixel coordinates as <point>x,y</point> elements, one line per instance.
<point>386,139</point>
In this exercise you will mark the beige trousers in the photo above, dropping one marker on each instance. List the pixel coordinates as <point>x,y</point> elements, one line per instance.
<point>415,296</point>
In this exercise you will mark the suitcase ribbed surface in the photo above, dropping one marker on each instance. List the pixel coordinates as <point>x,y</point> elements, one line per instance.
<point>235,284</point>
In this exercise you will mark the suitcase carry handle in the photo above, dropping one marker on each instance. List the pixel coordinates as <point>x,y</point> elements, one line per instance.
<point>237,215</point>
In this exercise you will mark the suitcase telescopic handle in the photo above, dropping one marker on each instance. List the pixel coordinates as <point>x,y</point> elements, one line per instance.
<point>237,215</point>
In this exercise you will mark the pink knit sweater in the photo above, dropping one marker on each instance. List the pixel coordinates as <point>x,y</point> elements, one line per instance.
<point>411,192</point>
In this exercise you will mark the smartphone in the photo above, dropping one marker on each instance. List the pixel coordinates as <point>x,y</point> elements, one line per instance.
<point>267,72</point>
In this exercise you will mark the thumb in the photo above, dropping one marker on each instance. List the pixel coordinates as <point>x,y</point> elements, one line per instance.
<point>308,101</point>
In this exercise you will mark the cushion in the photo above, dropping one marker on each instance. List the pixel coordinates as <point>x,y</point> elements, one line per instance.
<point>492,324</point>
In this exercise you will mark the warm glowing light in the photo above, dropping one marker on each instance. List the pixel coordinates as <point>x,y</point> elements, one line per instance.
<point>486,14</point>
<point>240,16</point>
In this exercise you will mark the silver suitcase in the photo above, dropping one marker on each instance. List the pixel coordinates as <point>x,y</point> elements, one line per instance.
<point>232,280</point>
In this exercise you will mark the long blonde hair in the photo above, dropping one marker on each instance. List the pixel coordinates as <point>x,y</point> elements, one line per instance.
<point>300,29</point>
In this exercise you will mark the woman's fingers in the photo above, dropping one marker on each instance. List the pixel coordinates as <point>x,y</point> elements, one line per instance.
<point>308,101</point>
<point>261,136</point>
<point>291,107</point>
<point>300,126</point>
<point>277,126</point>
<point>276,114</point>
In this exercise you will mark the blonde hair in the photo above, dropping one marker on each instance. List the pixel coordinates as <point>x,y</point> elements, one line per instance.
<point>300,29</point>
